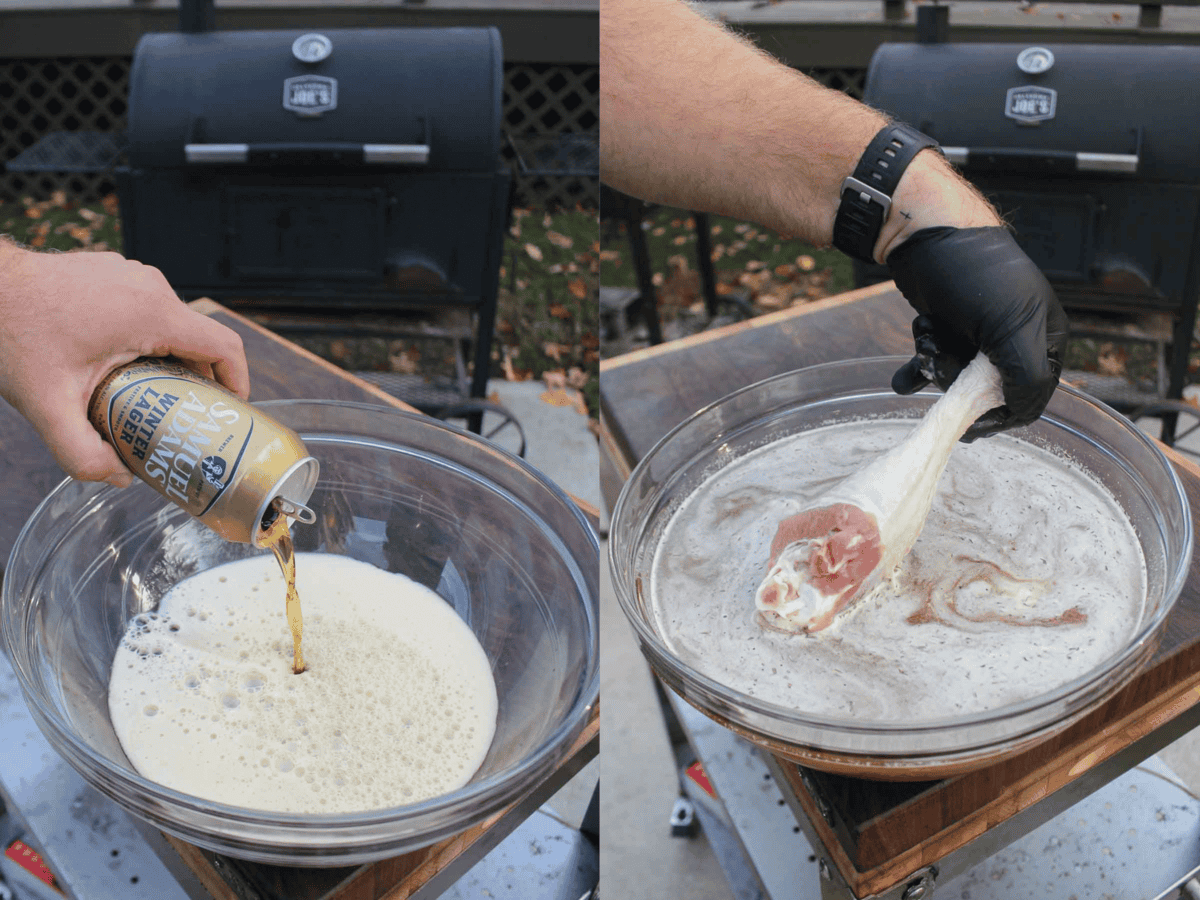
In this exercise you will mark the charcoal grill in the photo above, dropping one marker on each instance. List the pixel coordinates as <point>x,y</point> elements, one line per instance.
<point>334,172</point>
<point>1088,150</point>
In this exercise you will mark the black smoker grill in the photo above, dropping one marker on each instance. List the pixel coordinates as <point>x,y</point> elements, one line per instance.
<point>1089,151</point>
<point>341,171</point>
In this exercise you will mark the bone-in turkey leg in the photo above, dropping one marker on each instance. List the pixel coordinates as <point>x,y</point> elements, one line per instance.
<point>855,534</point>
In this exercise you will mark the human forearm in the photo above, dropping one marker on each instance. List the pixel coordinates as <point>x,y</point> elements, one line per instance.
<point>699,118</point>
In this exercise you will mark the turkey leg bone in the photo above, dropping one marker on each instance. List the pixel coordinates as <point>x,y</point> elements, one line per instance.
<point>856,534</point>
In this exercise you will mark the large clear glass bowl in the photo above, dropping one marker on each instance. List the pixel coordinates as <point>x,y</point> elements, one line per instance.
<point>1108,446</point>
<point>502,544</point>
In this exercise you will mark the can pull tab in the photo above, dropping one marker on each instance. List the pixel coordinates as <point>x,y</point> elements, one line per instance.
<point>294,510</point>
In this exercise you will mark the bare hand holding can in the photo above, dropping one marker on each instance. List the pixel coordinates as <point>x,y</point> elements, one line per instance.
<point>69,319</point>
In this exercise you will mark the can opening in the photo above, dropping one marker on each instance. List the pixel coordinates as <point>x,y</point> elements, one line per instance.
<point>293,510</point>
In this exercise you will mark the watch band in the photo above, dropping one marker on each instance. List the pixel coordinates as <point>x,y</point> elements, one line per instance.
<point>867,194</point>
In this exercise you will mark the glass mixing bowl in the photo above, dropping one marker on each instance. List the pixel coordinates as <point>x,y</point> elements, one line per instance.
<point>1110,448</point>
<point>496,539</point>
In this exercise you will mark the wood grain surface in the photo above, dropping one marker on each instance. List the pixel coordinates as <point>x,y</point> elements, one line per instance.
<point>879,832</point>
<point>645,394</point>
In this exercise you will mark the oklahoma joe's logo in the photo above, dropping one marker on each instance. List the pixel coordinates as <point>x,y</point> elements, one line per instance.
<point>1030,105</point>
<point>310,95</point>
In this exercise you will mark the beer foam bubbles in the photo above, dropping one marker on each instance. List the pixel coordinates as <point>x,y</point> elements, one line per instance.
<point>397,705</point>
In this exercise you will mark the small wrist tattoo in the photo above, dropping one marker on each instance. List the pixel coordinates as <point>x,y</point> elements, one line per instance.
<point>906,215</point>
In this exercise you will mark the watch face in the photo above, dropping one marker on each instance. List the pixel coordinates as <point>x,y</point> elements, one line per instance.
<point>312,48</point>
<point>1035,60</point>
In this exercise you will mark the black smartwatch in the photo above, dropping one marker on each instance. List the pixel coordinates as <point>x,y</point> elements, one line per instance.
<point>867,194</point>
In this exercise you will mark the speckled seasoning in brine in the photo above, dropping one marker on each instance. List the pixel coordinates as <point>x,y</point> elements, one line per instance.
<point>1027,575</point>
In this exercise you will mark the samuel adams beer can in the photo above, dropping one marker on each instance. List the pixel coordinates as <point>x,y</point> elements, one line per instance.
<point>204,448</point>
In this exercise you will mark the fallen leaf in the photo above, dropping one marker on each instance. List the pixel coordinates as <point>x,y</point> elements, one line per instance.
<point>111,204</point>
<point>58,199</point>
<point>555,380</point>
<point>715,230</point>
<point>515,229</point>
<point>755,265</point>
<point>99,246</point>
<point>679,240</point>
<point>38,240</point>
<point>577,378</point>
<point>659,231</point>
<point>724,289</point>
<point>590,341</point>
<point>561,397</point>
<point>547,221</point>
<point>559,311</point>
<point>555,269</point>
<point>89,215</point>
<point>577,288</point>
<point>678,261</point>
<point>741,228</point>
<point>610,255</point>
<point>406,362</point>
<point>555,351</point>
<point>1112,360</point>
<point>657,279</point>
<point>33,212</point>
<point>511,373</point>
<point>504,326</point>
<point>560,240</point>
<point>806,263</point>
<point>81,234</point>
<point>677,223</point>
<point>534,251</point>
<point>785,270</point>
<point>771,301</point>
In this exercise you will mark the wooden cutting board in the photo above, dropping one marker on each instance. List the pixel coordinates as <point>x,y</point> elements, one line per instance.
<point>879,832</point>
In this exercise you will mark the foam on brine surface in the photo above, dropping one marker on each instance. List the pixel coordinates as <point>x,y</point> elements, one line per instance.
<point>397,704</point>
<point>1027,575</point>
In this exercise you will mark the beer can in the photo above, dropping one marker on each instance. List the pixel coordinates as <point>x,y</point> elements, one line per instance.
<point>201,446</point>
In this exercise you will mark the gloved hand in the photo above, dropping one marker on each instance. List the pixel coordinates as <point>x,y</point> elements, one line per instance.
<point>977,291</point>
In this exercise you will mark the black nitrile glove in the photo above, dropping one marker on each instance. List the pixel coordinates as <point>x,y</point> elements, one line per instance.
<point>976,290</point>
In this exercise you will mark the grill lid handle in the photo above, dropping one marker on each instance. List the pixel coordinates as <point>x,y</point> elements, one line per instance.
<point>370,154</point>
<point>1033,160</point>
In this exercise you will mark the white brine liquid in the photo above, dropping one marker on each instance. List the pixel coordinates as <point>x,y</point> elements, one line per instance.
<point>397,705</point>
<point>1026,575</point>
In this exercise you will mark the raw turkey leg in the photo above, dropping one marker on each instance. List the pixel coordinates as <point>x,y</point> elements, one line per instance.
<point>856,534</point>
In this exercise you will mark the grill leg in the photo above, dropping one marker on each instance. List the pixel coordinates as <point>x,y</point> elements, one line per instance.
<point>645,278</point>
<point>704,263</point>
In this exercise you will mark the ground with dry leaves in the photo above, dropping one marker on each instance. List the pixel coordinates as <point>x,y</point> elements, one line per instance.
<point>768,270</point>
<point>546,324</point>
<point>773,272</point>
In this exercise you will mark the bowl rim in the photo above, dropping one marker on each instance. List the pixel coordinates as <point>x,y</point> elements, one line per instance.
<point>737,700</point>
<point>483,795</point>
